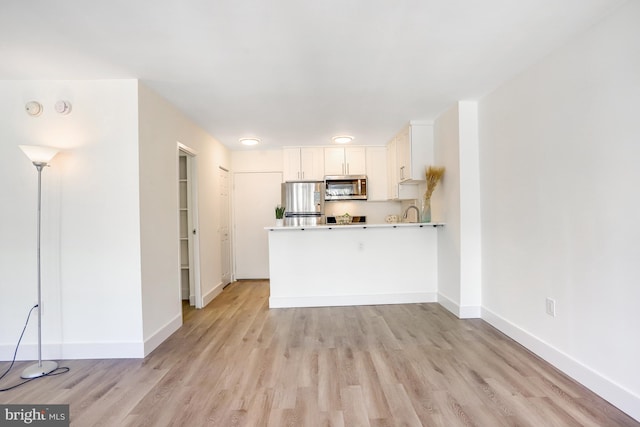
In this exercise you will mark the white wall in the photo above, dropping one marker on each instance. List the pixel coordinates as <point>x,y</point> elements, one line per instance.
<point>456,201</point>
<point>470,233</point>
<point>110,225</point>
<point>257,161</point>
<point>559,154</point>
<point>162,126</point>
<point>91,229</point>
<point>446,206</point>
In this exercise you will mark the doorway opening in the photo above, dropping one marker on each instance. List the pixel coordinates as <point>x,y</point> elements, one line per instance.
<point>190,287</point>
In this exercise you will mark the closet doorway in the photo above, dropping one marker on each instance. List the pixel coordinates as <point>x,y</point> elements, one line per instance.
<point>190,289</point>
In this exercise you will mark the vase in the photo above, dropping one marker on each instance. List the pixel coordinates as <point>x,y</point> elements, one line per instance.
<point>425,210</point>
<point>279,222</point>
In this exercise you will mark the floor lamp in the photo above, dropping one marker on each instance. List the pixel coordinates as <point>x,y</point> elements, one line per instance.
<point>40,156</point>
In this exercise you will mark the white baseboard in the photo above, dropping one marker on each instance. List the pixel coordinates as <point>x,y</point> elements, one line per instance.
<point>130,350</point>
<point>30,352</point>
<point>75,350</point>
<point>461,312</point>
<point>343,300</point>
<point>209,296</point>
<point>93,350</point>
<point>617,395</point>
<point>162,334</point>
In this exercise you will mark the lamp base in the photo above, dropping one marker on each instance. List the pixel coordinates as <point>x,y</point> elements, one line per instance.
<point>39,369</point>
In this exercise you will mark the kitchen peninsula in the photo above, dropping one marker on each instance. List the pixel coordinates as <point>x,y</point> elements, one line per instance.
<point>335,265</point>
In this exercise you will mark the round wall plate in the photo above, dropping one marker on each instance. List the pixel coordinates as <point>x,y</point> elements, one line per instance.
<point>63,107</point>
<point>33,108</point>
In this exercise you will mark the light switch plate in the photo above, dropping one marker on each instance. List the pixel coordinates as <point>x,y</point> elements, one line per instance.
<point>551,307</point>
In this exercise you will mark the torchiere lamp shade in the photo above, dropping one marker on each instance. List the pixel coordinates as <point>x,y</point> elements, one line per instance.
<point>39,154</point>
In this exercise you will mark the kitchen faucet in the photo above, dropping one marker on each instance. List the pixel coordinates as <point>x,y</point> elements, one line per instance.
<point>406,212</point>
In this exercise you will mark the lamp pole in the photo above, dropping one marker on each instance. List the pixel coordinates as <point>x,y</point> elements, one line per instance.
<point>41,368</point>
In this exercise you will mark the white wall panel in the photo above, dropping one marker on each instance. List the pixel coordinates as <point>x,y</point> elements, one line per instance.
<point>162,127</point>
<point>91,228</point>
<point>559,151</point>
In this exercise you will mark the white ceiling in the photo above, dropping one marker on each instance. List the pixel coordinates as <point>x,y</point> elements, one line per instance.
<point>293,72</point>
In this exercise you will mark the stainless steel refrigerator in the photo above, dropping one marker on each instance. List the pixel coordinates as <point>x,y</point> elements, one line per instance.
<point>303,202</point>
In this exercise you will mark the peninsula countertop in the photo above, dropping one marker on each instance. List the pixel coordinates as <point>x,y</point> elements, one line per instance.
<point>355,226</point>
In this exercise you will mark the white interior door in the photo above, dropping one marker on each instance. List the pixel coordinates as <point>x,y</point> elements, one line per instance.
<point>255,196</point>
<point>225,243</point>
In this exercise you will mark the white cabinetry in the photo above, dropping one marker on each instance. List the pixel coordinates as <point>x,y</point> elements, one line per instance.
<point>408,155</point>
<point>414,151</point>
<point>392,170</point>
<point>303,163</point>
<point>377,186</point>
<point>345,161</point>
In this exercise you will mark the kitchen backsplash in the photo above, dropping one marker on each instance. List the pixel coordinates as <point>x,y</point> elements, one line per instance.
<point>374,211</point>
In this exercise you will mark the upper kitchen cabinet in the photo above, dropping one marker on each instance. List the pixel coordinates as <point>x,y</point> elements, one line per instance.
<point>345,161</point>
<point>392,170</point>
<point>303,163</point>
<point>377,174</point>
<point>414,151</point>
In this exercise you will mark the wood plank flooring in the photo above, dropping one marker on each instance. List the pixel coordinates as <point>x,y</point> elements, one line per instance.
<point>237,363</point>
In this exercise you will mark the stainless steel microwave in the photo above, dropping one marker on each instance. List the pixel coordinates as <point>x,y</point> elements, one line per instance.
<point>345,187</point>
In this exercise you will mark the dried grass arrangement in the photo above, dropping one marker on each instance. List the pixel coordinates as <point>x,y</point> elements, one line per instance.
<point>433,176</point>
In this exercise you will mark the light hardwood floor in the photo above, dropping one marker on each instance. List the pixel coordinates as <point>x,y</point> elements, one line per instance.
<point>238,363</point>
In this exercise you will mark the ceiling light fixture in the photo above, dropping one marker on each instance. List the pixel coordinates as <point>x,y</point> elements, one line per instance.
<point>342,139</point>
<point>249,141</point>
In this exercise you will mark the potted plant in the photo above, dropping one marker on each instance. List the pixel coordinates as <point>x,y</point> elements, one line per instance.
<point>432,175</point>
<point>279,216</point>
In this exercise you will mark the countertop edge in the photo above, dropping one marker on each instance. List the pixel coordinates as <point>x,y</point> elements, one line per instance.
<point>355,226</point>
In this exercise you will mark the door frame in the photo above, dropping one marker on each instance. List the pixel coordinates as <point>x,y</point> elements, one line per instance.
<point>192,220</point>
<point>229,226</point>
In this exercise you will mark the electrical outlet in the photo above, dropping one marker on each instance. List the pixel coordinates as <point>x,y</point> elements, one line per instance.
<point>551,307</point>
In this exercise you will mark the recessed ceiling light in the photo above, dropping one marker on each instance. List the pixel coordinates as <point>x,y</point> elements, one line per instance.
<point>342,139</point>
<point>249,141</point>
